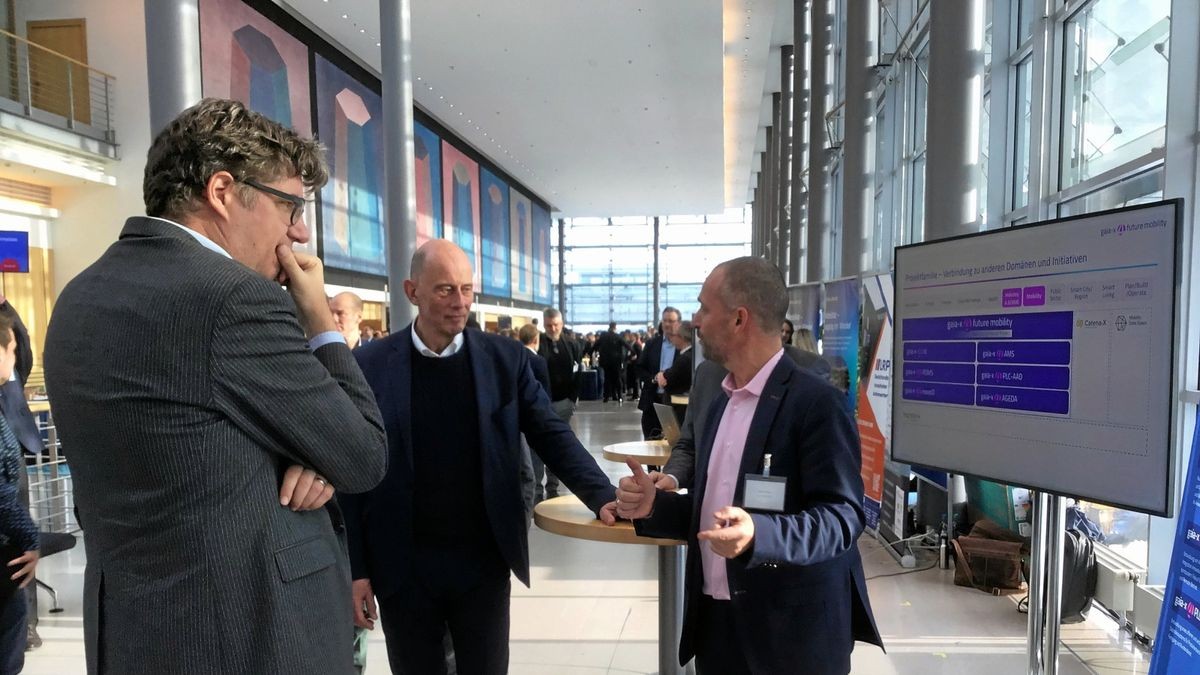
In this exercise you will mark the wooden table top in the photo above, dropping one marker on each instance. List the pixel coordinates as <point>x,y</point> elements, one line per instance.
<point>567,516</point>
<point>655,453</point>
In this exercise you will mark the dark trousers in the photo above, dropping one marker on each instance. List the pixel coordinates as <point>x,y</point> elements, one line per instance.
<point>718,649</point>
<point>651,428</point>
<point>415,621</point>
<point>612,383</point>
<point>12,634</point>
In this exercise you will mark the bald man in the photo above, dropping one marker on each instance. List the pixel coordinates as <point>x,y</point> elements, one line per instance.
<point>347,311</point>
<point>437,540</point>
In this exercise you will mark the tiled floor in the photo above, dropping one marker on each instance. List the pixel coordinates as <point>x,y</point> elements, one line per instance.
<point>593,609</point>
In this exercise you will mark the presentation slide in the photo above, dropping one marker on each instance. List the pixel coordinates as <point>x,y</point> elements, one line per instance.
<point>1042,356</point>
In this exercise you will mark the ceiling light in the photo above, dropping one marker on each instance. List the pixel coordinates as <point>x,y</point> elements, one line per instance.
<point>345,16</point>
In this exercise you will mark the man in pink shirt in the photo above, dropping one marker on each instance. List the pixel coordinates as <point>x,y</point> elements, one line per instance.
<point>774,579</point>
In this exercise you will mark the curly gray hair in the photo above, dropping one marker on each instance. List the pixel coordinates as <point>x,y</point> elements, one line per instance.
<point>224,135</point>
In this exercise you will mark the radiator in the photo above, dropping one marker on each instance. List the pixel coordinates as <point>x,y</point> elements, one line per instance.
<point>1116,579</point>
<point>1147,605</point>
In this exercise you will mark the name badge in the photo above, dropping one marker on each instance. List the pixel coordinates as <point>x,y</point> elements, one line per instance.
<point>764,493</point>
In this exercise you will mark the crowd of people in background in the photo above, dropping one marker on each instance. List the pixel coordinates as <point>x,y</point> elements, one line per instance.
<point>208,437</point>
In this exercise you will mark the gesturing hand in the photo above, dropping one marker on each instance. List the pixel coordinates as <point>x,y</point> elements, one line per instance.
<point>303,489</point>
<point>663,481</point>
<point>732,534</point>
<point>635,494</point>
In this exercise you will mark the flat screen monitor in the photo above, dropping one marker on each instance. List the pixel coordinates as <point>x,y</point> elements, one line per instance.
<point>1042,355</point>
<point>14,251</point>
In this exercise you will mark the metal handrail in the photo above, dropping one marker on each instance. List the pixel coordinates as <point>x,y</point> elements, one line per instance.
<point>60,55</point>
<point>43,84</point>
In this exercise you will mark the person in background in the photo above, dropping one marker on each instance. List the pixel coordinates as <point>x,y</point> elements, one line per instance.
<point>677,380</point>
<point>807,356</point>
<point>563,356</point>
<point>209,414</point>
<point>612,351</point>
<point>366,335</point>
<point>790,556</point>
<point>24,425</point>
<point>657,356</point>
<point>528,335</point>
<point>437,542</point>
<point>18,533</point>
<point>632,386</point>
<point>805,340</point>
<point>786,331</point>
<point>347,311</point>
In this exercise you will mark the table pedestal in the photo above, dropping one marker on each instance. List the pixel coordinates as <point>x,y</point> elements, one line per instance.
<point>671,561</point>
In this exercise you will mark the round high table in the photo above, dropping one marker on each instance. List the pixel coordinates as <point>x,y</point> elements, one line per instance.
<point>654,453</point>
<point>568,517</point>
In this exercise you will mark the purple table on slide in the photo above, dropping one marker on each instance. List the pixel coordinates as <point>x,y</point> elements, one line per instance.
<point>1006,361</point>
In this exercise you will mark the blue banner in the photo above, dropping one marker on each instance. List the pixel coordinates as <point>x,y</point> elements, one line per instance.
<point>1177,645</point>
<point>839,335</point>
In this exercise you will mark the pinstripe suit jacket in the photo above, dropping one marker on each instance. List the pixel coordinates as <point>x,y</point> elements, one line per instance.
<point>183,388</point>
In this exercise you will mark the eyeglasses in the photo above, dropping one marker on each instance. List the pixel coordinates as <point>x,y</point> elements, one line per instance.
<point>296,202</point>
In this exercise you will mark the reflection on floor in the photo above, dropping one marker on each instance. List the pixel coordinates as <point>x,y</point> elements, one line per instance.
<point>593,608</point>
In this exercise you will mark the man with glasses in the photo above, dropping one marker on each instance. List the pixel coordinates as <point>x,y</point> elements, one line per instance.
<point>657,356</point>
<point>209,414</point>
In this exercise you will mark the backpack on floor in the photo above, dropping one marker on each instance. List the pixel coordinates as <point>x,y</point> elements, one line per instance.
<point>1079,576</point>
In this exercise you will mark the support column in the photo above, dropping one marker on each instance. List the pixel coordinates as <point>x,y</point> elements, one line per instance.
<point>755,220</point>
<point>172,59</point>
<point>784,138</point>
<point>657,304</point>
<point>799,198</point>
<point>770,200</point>
<point>818,143</point>
<point>562,264</point>
<point>859,145</point>
<point>952,120</point>
<point>395,21</point>
<point>1181,180</point>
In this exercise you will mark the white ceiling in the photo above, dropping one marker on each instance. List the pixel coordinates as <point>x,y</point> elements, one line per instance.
<point>603,108</point>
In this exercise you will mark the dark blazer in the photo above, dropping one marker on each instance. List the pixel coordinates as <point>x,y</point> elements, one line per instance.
<point>611,349</point>
<point>799,598</point>
<point>24,363</point>
<point>647,367</point>
<point>510,403</point>
<point>706,385</point>
<point>20,418</point>
<point>183,388</point>
<point>541,372</point>
<point>569,382</point>
<point>810,361</point>
<point>678,376</point>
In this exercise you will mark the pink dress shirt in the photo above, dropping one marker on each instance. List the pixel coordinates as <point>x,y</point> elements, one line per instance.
<point>724,467</point>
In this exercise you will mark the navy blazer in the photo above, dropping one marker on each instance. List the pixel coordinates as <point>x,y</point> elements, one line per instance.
<point>541,371</point>
<point>647,367</point>
<point>798,594</point>
<point>511,402</point>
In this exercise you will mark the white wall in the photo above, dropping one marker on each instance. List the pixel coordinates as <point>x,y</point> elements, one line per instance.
<point>92,215</point>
